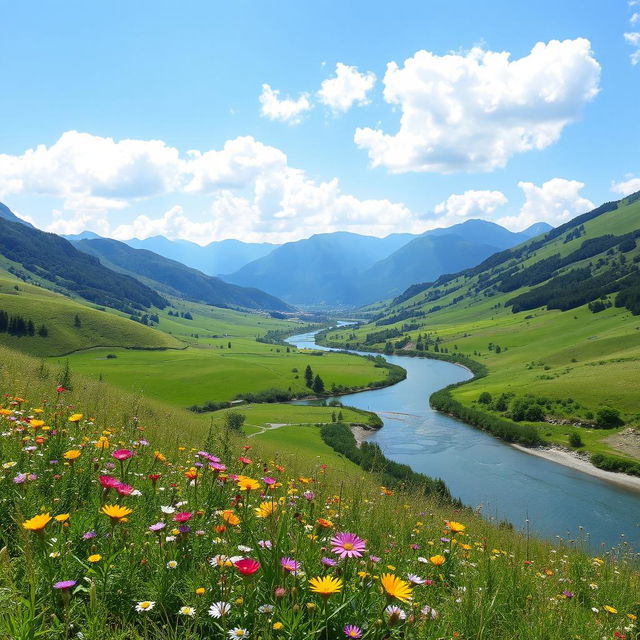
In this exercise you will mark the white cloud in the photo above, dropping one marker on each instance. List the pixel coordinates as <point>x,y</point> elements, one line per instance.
<point>633,38</point>
<point>470,204</point>
<point>346,88</point>
<point>283,109</point>
<point>472,112</point>
<point>556,201</point>
<point>627,186</point>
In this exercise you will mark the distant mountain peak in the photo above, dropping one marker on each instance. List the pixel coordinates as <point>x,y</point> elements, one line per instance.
<point>7,214</point>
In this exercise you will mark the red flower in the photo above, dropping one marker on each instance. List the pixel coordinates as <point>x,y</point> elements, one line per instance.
<point>247,566</point>
<point>60,389</point>
<point>184,516</point>
<point>245,460</point>
<point>122,454</point>
<point>154,477</point>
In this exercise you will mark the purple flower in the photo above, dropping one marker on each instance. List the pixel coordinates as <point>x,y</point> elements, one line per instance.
<point>65,584</point>
<point>567,594</point>
<point>289,564</point>
<point>348,545</point>
<point>328,562</point>
<point>158,526</point>
<point>351,631</point>
<point>265,544</point>
<point>20,478</point>
<point>445,540</point>
<point>374,559</point>
<point>89,535</point>
<point>309,495</point>
<point>185,528</point>
<point>414,579</point>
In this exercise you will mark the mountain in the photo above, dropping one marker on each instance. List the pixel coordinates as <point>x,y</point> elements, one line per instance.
<point>322,269</point>
<point>84,235</point>
<point>7,214</point>
<point>175,278</point>
<point>224,256</point>
<point>536,229</point>
<point>550,327</point>
<point>432,254</point>
<point>39,256</point>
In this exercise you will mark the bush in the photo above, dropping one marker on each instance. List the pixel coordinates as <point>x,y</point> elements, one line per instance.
<point>485,398</point>
<point>608,418</point>
<point>575,440</point>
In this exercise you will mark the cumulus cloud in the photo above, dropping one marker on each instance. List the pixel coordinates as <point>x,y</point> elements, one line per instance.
<point>253,192</point>
<point>556,201</point>
<point>346,88</point>
<point>474,111</point>
<point>470,204</point>
<point>633,38</point>
<point>283,109</point>
<point>627,186</point>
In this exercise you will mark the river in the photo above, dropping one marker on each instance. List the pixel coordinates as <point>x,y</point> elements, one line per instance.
<point>482,471</point>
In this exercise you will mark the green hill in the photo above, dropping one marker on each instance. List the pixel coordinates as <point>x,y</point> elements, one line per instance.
<point>175,278</point>
<point>554,323</point>
<point>57,314</point>
<point>45,257</point>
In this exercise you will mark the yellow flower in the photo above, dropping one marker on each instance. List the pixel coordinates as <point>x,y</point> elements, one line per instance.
<point>36,423</point>
<point>116,512</point>
<point>437,560</point>
<point>396,587</point>
<point>72,454</point>
<point>63,517</point>
<point>76,417</point>
<point>102,443</point>
<point>247,484</point>
<point>326,585</point>
<point>266,509</point>
<point>455,527</point>
<point>610,609</point>
<point>96,557</point>
<point>37,523</point>
<point>277,625</point>
<point>158,456</point>
<point>200,591</point>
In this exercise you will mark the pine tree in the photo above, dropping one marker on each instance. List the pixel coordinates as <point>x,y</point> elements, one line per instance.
<point>43,332</point>
<point>318,385</point>
<point>308,376</point>
<point>76,322</point>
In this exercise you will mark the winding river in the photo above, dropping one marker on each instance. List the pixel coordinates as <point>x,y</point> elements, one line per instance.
<point>507,484</point>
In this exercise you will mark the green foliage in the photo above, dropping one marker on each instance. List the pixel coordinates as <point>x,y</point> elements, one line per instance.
<point>615,464</point>
<point>608,418</point>
<point>234,420</point>
<point>485,398</point>
<point>575,440</point>
<point>318,384</point>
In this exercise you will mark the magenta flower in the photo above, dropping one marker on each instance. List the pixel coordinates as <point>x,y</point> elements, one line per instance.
<point>183,516</point>
<point>269,481</point>
<point>351,631</point>
<point>289,564</point>
<point>122,454</point>
<point>65,584</point>
<point>217,466</point>
<point>347,545</point>
<point>109,482</point>
<point>124,489</point>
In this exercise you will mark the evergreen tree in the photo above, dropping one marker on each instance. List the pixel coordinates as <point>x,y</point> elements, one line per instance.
<point>43,332</point>
<point>31,330</point>
<point>318,385</point>
<point>308,376</point>
<point>76,322</point>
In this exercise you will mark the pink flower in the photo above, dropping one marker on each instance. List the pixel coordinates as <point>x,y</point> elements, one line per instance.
<point>124,489</point>
<point>109,482</point>
<point>184,516</point>
<point>122,454</point>
<point>347,545</point>
<point>289,564</point>
<point>247,566</point>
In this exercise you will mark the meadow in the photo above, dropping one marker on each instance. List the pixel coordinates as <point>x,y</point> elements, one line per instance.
<point>124,518</point>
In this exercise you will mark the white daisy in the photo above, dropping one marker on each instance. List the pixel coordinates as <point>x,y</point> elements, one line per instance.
<point>145,605</point>
<point>219,609</point>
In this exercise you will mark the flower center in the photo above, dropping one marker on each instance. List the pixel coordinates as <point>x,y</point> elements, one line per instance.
<point>348,546</point>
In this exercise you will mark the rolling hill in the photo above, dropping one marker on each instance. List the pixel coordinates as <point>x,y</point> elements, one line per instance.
<point>553,323</point>
<point>174,278</point>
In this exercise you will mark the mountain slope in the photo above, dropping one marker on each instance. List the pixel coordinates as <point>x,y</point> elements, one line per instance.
<point>322,269</point>
<point>554,318</point>
<point>7,214</point>
<point>432,254</point>
<point>50,258</point>
<point>224,256</point>
<point>175,278</point>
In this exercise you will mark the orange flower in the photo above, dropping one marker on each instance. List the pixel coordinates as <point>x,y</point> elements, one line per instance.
<point>230,518</point>
<point>437,560</point>
<point>72,454</point>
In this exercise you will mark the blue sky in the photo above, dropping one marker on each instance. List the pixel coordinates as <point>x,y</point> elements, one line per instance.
<point>456,131</point>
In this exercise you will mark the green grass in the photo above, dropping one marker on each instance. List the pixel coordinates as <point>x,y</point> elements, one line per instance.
<point>494,583</point>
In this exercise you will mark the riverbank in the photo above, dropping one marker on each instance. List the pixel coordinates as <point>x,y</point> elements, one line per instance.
<point>574,460</point>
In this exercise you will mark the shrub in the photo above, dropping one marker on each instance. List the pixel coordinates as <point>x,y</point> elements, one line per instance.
<point>485,398</point>
<point>608,418</point>
<point>575,440</point>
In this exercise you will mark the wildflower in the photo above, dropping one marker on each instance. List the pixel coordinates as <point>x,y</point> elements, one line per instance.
<point>247,566</point>
<point>168,510</point>
<point>64,585</point>
<point>610,609</point>
<point>122,454</point>
<point>395,614</point>
<point>266,509</point>
<point>145,605</point>
<point>328,562</point>
<point>265,544</point>
<point>76,417</point>
<point>172,564</point>
<point>414,579</point>
<point>289,564</point>
<point>184,516</point>
<point>230,518</point>
<point>187,611</point>
<point>96,557</point>
<point>247,484</point>
<point>347,545</point>
<point>116,512</point>
<point>351,631</point>
<point>567,594</point>
<point>72,454</point>
<point>324,524</point>
<point>125,489</point>
<point>37,523</point>
<point>200,591</point>
<point>238,632</point>
<point>89,535</point>
<point>266,608</point>
<point>102,443</point>
<point>396,587</point>
<point>455,527</point>
<point>219,609</point>
<point>429,612</point>
<point>244,460</point>
<point>326,585</point>
<point>109,482</point>
<point>437,560</point>
<point>277,626</point>
<point>158,526</point>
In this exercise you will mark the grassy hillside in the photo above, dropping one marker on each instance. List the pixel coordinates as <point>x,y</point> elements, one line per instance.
<point>571,359</point>
<point>131,575</point>
<point>58,314</point>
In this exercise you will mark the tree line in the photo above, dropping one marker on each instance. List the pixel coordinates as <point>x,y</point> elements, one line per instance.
<point>17,325</point>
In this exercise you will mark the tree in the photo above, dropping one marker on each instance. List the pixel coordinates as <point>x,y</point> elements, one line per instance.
<point>229,345</point>
<point>485,398</point>
<point>607,418</point>
<point>65,378</point>
<point>77,322</point>
<point>233,420</point>
<point>318,385</point>
<point>575,440</point>
<point>43,332</point>
<point>308,376</point>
